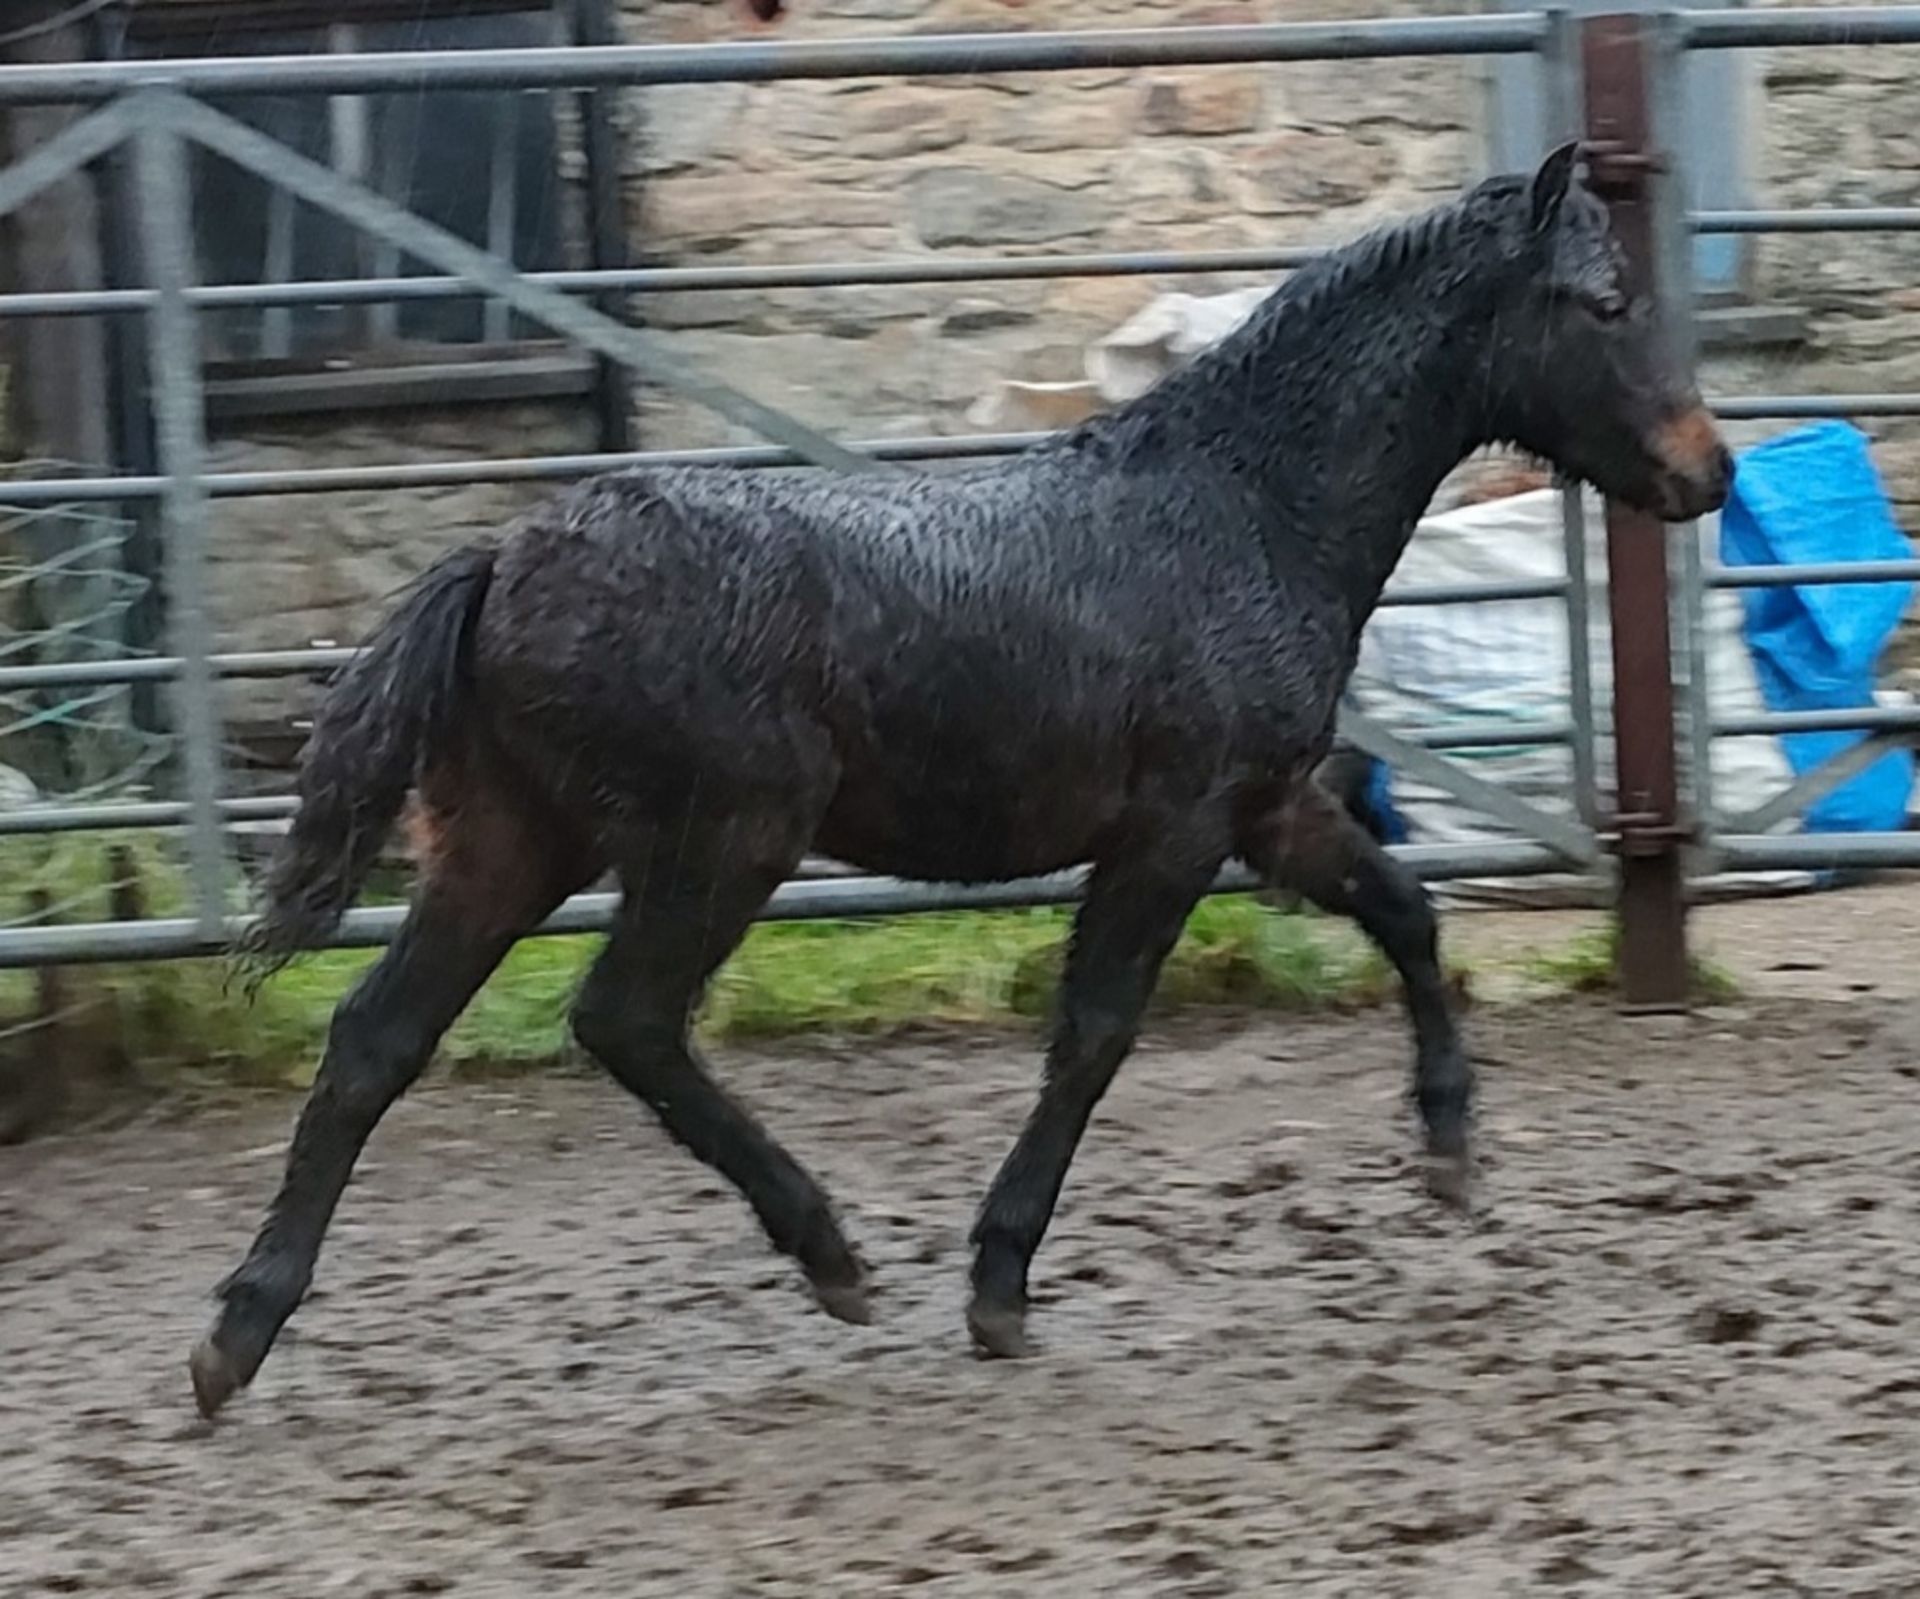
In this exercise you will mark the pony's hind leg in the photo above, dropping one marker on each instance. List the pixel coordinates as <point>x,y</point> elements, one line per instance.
<point>493,873</point>
<point>1313,846</point>
<point>684,913</point>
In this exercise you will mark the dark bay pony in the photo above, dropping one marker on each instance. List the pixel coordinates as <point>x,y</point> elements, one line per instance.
<point>1123,648</point>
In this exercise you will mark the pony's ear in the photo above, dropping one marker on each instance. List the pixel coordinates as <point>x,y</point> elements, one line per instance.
<point>1551,182</point>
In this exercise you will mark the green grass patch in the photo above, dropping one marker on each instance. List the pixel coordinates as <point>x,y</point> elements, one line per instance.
<point>1589,964</point>
<point>820,979</point>
<point>979,969</point>
<point>988,969</point>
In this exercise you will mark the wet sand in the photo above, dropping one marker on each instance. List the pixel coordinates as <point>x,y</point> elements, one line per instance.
<point>548,1354</point>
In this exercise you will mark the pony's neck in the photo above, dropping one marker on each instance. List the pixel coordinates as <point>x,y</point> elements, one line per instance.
<point>1343,402</point>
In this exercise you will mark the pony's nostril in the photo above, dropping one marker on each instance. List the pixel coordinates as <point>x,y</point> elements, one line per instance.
<point>1689,446</point>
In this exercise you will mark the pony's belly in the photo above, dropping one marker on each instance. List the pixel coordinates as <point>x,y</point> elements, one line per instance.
<point>935,861</point>
<point>963,830</point>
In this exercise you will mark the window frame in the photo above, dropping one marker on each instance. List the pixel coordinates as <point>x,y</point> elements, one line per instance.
<point>1718,102</point>
<point>376,368</point>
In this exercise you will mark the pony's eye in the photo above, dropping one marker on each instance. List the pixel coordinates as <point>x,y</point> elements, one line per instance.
<point>1605,307</point>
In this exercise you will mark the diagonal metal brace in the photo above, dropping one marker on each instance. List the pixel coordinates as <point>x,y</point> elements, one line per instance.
<point>1569,838</point>
<point>72,148</point>
<point>1815,783</point>
<point>447,252</point>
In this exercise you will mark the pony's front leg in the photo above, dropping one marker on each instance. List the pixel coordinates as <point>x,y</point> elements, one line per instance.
<point>1311,845</point>
<point>1131,917</point>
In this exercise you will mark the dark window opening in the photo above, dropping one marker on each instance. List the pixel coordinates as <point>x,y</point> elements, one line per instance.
<point>483,164</point>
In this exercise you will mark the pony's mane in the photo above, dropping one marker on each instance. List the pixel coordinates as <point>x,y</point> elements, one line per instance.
<point>1393,247</point>
<point>1388,252</point>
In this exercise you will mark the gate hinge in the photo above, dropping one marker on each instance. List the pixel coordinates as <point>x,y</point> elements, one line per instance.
<point>1641,834</point>
<point>1613,169</point>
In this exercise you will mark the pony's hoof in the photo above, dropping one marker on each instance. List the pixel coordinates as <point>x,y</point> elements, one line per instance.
<point>1450,1181</point>
<point>999,1331</point>
<point>217,1377</point>
<point>846,1302</point>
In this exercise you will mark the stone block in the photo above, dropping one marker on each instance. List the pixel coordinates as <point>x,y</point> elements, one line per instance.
<point>1225,14</point>
<point>882,122</point>
<point>1201,106</point>
<point>978,16</point>
<point>1306,171</point>
<point>689,125</point>
<point>1410,94</point>
<point>1436,164</point>
<point>1089,307</point>
<point>1174,185</point>
<point>971,316</point>
<point>902,122</point>
<point>715,214</point>
<point>1806,68</point>
<point>874,10</point>
<point>745,313</point>
<point>1095,122</point>
<point>852,313</point>
<point>971,206</point>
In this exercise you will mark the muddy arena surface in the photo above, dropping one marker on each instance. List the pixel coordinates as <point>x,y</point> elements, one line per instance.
<point>548,1355</point>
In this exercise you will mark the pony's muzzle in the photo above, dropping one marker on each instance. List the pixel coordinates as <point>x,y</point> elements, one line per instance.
<point>1696,467</point>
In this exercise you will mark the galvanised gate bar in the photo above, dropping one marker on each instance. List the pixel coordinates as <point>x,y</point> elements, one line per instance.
<point>1614,78</point>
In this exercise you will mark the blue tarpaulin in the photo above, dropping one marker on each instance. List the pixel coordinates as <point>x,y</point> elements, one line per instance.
<point>1813,495</point>
<point>1379,803</point>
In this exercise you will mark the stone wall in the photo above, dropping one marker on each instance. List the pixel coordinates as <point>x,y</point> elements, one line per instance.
<point>830,171</point>
<point>289,571</point>
<point>1199,158</point>
<point>1179,159</point>
<point>1208,158</point>
<point>1838,128</point>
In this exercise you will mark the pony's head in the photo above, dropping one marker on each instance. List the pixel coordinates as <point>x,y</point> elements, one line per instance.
<point>1581,373</point>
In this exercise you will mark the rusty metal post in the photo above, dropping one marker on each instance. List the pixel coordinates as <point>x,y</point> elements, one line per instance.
<point>1616,54</point>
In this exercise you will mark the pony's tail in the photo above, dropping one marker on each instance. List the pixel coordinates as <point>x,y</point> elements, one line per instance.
<point>384,719</point>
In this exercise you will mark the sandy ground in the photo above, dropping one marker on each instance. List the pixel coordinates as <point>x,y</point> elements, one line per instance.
<point>1676,1356</point>
<point>1864,941</point>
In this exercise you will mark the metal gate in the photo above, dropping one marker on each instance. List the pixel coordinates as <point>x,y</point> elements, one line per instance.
<point>1616,78</point>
